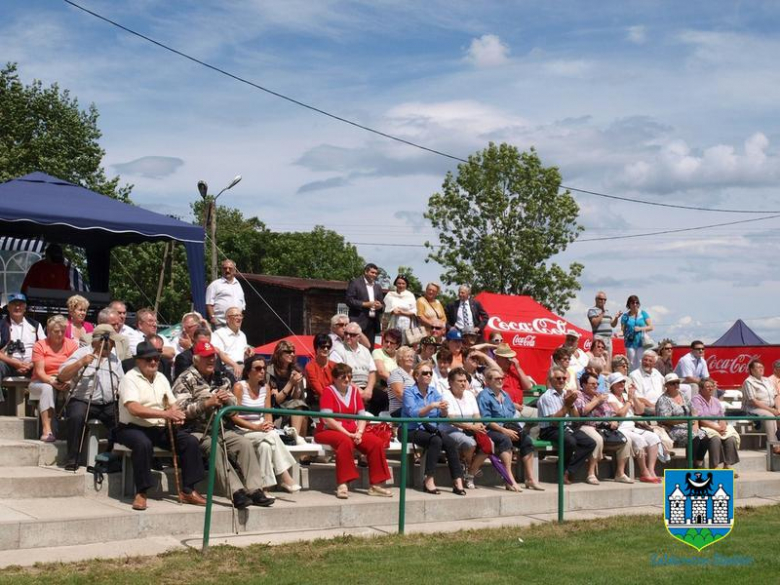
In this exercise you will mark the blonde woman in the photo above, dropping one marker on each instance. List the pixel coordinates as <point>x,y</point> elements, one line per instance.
<point>77,313</point>
<point>429,308</point>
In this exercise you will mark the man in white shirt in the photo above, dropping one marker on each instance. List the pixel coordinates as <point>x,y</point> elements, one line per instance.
<point>232,341</point>
<point>143,416</point>
<point>224,293</point>
<point>18,335</point>
<point>579,359</point>
<point>124,329</point>
<point>648,381</point>
<point>189,323</point>
<point>147,325</point>
<point>692,369</point>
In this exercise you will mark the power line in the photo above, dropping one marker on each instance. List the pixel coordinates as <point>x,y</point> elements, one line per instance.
<point>385,134</point>
<point>625,237</point>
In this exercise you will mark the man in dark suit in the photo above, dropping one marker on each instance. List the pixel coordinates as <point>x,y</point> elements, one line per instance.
<point>466,312</point>
<point>364,299</point>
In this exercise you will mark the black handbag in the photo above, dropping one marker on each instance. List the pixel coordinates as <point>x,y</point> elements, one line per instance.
<point>612,437</point>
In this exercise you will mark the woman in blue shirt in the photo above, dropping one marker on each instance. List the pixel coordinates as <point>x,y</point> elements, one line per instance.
<point>424,400</point>
<point>635,323</point>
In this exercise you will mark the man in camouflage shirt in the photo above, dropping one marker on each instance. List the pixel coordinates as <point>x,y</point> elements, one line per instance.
<point>200,394</point>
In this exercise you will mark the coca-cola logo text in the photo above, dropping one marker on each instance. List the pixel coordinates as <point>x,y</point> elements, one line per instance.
<point>524,341</point>
<point>541,325</point>
<point>733,365</point>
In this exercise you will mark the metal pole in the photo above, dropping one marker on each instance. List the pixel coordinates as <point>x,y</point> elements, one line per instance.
<point>690,443</point>
<point>561,430</point>
<point>213,231</point>
<point>212,479</point>
<point>404,474</point>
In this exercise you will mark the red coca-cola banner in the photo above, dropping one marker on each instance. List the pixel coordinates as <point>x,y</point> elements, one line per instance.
<point>532,331</point>
<point>729,365</point>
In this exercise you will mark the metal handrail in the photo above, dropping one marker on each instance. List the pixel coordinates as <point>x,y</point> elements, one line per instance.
<point>405,421</point>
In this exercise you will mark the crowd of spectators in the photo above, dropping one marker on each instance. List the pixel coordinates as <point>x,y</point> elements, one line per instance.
<point>433,362</point>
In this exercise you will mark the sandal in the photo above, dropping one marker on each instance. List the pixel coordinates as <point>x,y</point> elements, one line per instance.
<point>592,480</point>
<point>533,486</point>
<point>624,479</point>
<point>513,488</point>
<point>48,438</point>
<point>434,491</point>
<point>458,491</point>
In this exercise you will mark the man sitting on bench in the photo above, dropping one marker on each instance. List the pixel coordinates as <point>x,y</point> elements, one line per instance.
<point>97,374</point>
<point>143,416</point>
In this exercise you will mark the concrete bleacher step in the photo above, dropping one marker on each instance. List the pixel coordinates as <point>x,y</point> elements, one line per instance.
<point>35,522</point>
<point>40,482</point>
<point>15,428</point>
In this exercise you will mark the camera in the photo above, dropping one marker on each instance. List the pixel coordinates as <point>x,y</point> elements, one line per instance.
<point>105,337</point>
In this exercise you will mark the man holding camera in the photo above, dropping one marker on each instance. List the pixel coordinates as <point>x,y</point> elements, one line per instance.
<point>200,393</point>
<point>18,335</point>
<point>97,372</point>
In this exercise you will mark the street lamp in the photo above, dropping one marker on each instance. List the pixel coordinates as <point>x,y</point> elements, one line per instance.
<point>210,217</point>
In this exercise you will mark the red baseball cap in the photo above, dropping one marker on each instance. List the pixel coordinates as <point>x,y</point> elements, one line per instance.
<point>204,349</point>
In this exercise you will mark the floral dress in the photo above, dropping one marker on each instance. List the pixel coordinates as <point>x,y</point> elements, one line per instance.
<point>668,407</point>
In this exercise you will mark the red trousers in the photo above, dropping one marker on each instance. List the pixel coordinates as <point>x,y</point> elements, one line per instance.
<point>346,470</point>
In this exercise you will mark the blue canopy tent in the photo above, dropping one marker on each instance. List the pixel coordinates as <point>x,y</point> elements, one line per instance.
<point>39,205</point>
<point>739,335</point>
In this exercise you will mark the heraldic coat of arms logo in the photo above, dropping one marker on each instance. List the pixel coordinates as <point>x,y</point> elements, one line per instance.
<point>699,505</point>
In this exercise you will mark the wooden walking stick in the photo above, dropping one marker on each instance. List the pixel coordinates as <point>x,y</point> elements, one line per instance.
<point>172,440</point>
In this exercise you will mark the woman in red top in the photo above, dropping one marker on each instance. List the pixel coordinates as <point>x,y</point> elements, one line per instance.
<point>346,435</point>
<point>47,356</point>
<point>318,371</point>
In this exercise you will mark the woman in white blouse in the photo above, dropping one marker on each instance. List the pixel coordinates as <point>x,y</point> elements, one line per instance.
<point>401,305</point>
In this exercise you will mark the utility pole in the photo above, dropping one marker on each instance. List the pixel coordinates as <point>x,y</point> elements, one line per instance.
<point>210,218</point>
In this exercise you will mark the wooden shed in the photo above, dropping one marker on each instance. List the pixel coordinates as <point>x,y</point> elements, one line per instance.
<point>305,305</point>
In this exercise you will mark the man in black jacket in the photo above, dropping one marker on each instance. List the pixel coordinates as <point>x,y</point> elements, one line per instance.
<point>364,299</point>
<point>466,312</point>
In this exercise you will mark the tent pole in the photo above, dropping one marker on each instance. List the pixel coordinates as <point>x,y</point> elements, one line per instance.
<point>166,250</point>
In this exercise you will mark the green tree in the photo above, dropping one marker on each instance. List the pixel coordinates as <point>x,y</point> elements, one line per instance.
<point>44,129</point>
<point>243,240</point>
<point>500,221</point>
<point>320,253</point>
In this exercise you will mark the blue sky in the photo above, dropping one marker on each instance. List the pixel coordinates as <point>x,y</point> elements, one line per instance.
<point>665,101</point>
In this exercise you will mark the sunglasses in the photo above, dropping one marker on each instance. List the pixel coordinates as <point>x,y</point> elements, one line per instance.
<point>325,347</point>
<point>151,359</point>
<point>438,328</point>
<point>560,378</point>
<point>352,335</point>
<point>426,373</point>
<point>258,369</point>
<point>345,377</point>
<point>497,378</point>
<point>288,351</point>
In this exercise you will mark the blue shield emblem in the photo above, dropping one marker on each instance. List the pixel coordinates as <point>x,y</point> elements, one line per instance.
<point>699,505</point>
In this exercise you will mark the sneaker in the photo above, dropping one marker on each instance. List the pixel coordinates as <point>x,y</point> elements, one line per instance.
<point>260,499</point>
<point>469,481</point>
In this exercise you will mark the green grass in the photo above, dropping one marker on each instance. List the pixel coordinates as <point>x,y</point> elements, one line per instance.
<point>613,550</point>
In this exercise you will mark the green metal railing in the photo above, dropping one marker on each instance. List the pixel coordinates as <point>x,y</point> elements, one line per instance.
<point>404,422</point>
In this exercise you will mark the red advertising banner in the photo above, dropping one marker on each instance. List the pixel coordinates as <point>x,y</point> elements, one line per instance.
<point>729,365</point>
<point>532,331</point>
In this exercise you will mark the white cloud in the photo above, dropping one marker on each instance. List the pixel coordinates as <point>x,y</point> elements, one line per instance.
<point>659,310</point>
<point>487,51</point>
<point>676,166</point>
<point>151,167</point>
<point>637,34</point>
<point>569,67</point>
